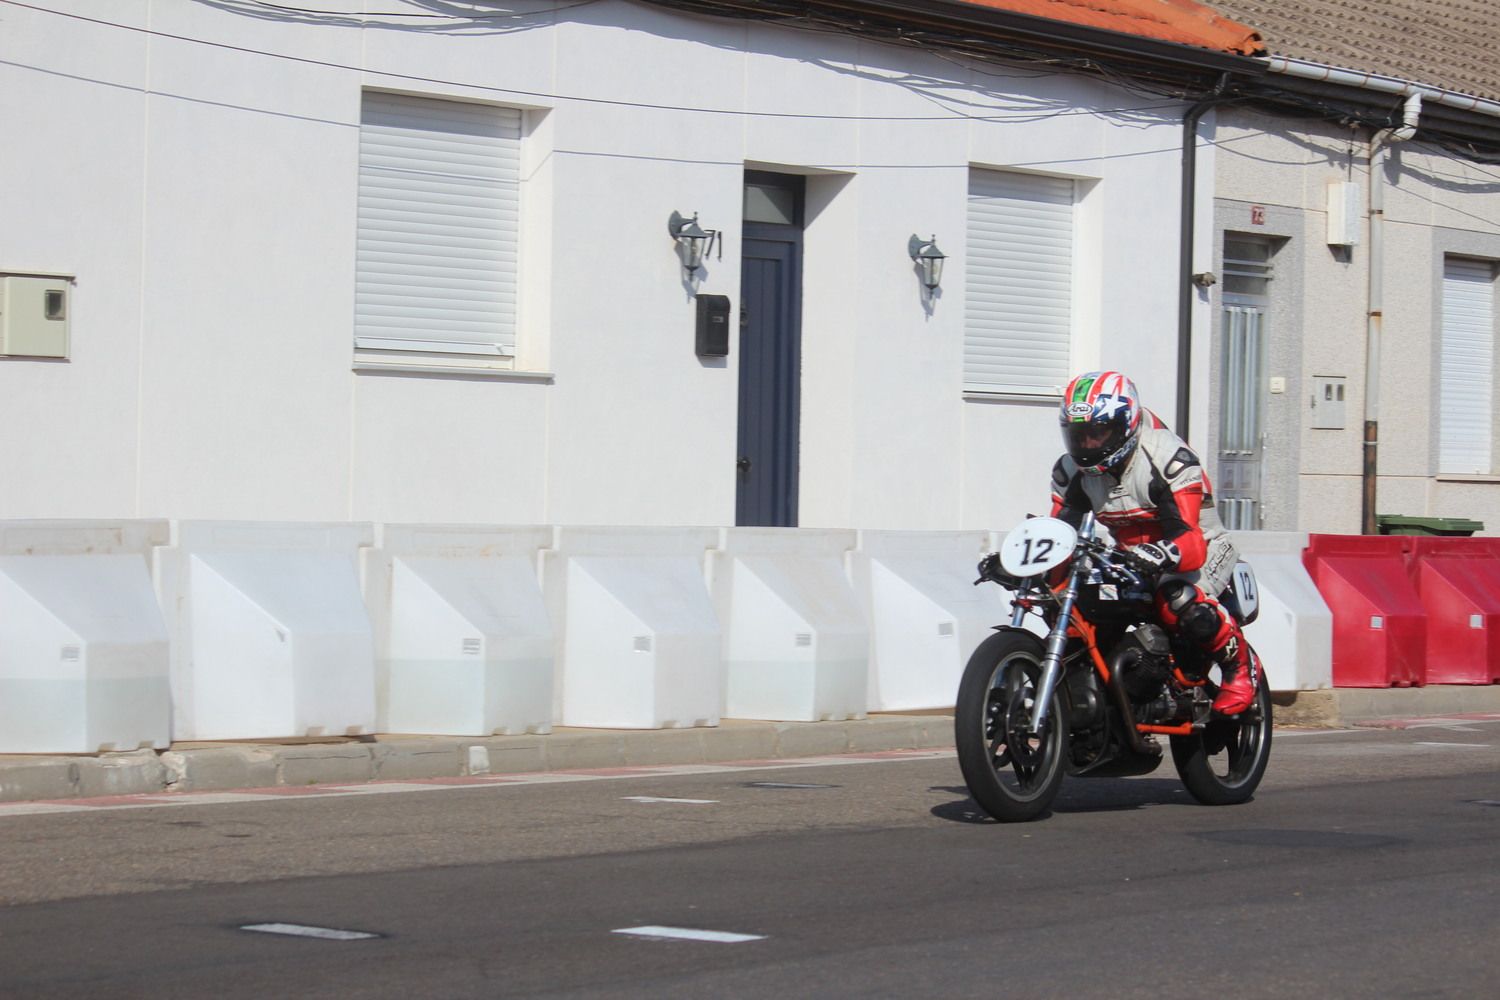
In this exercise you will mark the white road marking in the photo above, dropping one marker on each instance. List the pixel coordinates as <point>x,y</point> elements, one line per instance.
<point>688,934</point>
<point>301,930</point>
<point>785,784</point>
<point>655,798</point>
<point>1284,733</point>
<point>1466,746</point>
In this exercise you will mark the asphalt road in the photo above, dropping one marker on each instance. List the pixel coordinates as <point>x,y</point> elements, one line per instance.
<point>1368,865</point>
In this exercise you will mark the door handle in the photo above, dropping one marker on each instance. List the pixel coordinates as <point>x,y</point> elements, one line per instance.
<point>743,465</point>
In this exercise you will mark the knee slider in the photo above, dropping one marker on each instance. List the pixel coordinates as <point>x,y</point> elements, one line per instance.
<point>1201,622</point>
<point>1179,597</point>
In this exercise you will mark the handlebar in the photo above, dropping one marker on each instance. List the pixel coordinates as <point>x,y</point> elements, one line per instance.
<point>1120,565</point>
<point>1116,564</point>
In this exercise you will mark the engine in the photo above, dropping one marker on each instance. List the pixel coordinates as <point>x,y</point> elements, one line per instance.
<point>1143,661</point>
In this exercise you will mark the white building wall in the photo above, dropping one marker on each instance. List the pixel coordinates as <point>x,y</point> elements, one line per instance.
<point>70,439</point>
<point>197,171</point>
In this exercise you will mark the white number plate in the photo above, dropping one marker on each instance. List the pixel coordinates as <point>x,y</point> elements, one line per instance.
<point>1037,545</point>
<point>1245,589</point>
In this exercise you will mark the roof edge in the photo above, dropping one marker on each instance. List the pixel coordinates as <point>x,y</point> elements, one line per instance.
<point>1045,30</point>
<point>1307,70</point>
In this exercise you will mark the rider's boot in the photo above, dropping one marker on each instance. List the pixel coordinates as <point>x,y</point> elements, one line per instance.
<point>1239,675</point>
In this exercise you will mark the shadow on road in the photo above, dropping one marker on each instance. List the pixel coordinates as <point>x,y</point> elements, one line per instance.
<point>1083,796</point>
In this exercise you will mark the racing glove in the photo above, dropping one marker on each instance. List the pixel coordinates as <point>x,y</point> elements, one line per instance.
<point>1157,557</point>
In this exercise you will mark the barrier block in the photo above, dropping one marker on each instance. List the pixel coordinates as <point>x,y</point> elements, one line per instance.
<point>463,645</point>
<point>270,634</point>
<point>1458,580</point>
<point>84,650</point>
<point>1294,633</point>
<point>639,644</point>
<point>1379,623</point>
<point>796,645</point>
<point>925,614</point>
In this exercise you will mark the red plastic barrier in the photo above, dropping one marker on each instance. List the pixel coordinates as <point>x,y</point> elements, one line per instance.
<point>1458,581</point>
<point>1379,623</point>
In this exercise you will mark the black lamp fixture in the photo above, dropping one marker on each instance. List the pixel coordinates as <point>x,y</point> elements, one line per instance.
<point>929,259</point>
<point>693,242</point>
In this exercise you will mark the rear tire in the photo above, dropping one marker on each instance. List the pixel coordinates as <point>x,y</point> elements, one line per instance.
<point>1013,774</point>
<point>1223,764</point>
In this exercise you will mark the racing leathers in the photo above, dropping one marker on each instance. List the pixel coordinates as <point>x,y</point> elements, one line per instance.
<point>1159,503</point>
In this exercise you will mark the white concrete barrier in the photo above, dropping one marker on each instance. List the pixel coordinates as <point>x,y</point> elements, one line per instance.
<point>270,634</point>
<point>462,641</point>
<point>83,647</point>
<point>925,615</point>
<point>1294,633</point>
<point>639,643</point>
<point>796,643</point>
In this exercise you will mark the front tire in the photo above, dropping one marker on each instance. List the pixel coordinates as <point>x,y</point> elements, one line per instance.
<point>1012,773</point>
<point>1223,764</point>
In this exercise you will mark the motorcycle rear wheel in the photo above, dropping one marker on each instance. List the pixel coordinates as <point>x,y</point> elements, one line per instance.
<point>1012,773</point>
<point>1223,764</point>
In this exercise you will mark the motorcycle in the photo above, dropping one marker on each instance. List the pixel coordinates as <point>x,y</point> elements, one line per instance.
<point>1093,695</point>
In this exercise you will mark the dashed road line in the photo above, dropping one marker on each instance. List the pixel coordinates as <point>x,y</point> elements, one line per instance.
<point>688,934</point>
<point>302,930</point>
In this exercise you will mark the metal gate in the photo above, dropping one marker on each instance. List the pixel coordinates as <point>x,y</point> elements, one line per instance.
<point>1240,433</point>
<point>1247,272</point>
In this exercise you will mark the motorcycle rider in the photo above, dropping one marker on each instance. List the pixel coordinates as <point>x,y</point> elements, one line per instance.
<point>1147,486</point>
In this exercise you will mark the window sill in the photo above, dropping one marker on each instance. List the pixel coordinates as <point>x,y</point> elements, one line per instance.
<point>1461,477</point>
<point>468,371</point>
<point>1010,397</point>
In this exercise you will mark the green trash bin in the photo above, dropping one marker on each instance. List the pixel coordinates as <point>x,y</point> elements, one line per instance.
<point>1398,524</point>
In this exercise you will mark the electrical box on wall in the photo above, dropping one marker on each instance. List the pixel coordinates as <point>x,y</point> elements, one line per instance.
<point>34,315</point>
<point>1345,210</point>
<point>1328,402</point>
<point>713,326</point>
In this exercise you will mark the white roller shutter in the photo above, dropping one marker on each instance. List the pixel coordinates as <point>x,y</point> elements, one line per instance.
<point>438,223</point>
<point>1466,406</point>
<point>1018,296</point>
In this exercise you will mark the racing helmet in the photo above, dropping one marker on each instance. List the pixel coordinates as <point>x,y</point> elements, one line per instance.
<point>1100,418</point>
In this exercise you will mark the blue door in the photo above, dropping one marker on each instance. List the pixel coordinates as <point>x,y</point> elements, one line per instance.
<point>770,353</point>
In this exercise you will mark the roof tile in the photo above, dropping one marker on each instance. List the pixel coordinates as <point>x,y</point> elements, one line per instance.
<point>1447,44</point>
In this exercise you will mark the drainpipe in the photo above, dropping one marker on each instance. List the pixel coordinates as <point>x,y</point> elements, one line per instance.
<point>1186,217</point>
<point>1375,321</point>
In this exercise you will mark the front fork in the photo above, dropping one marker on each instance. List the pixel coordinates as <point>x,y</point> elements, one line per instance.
<point>1057,639</point>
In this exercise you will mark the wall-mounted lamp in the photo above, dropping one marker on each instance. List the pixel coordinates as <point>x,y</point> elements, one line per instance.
<point>929,259</point>
<point>693,242</point>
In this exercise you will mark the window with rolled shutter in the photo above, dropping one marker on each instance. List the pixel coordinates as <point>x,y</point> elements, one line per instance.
<point>439,211</point>
<point>1018,295</point>
<point>1467,366</point>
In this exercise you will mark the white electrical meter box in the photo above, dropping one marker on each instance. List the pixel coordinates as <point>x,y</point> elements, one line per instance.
<point>34,315</point>
<point>1328,402</point>
<point>1345,213</point>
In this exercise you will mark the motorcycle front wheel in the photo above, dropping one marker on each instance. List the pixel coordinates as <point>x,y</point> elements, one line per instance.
<point>1013,773</point>
<point>1223,764</point>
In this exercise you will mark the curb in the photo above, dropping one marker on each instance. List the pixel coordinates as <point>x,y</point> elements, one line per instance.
<point>199,767</point>
<point>202,767</point>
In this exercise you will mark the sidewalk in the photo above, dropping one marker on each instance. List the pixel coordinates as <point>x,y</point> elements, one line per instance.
<point>224,766</point>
